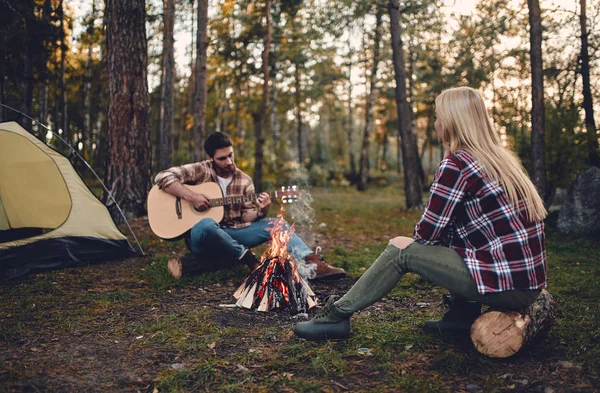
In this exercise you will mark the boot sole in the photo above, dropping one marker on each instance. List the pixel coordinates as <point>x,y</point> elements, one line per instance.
<point>332,276</point>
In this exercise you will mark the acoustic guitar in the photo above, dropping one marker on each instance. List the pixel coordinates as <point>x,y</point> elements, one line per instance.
<point>170,216</point>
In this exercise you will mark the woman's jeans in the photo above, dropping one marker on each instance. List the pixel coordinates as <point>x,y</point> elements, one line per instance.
<point>210,241</point>
<point>440,265</point>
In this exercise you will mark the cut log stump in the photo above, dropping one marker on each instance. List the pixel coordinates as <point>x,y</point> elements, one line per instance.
<point>500,334</point>
<point>190,264</point>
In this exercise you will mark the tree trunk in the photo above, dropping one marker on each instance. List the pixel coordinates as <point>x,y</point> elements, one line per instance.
<point>28,74</point>
<point>364,151</point>
<point>538,167</point>
<point>2,88</point>
<point>259,117</point>
<point>128,152</point>
<point>350,129</point>
<point>299,125</point>
<point>43,91</point>
<point>87,86</point>
<point>500,334</point>
<point>588,106</point>
<point>63,67</point>
<point>165,130</point>
<point>412,184</point>
<point>199,105</point>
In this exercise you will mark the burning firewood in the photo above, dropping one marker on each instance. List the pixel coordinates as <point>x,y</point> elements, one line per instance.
<point>276,284</point>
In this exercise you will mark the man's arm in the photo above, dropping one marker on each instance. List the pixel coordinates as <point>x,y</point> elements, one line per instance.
<point>264,203</point>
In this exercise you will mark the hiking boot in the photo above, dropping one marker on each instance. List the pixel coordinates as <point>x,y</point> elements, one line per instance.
<point>323,270</point>
<point>330,323</point>
<point>248,258</point>
<point>461,315</point>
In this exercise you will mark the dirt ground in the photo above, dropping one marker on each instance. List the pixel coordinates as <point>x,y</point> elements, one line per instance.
<point>81,330</point>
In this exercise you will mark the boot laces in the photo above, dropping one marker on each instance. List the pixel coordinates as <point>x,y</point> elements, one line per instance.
<point>324,313</point>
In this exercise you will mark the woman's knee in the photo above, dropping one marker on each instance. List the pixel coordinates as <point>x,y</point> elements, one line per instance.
<point>401,242</point>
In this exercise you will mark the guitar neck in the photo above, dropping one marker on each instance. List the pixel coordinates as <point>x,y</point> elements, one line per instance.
<point>237,199</point>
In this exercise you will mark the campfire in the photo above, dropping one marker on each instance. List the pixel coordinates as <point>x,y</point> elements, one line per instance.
<point>276,284</point>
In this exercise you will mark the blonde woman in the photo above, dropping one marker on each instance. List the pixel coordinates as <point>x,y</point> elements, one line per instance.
<point>481,235</point>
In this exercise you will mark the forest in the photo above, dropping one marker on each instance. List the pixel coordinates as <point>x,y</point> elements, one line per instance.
<point>316,92</point>
<point>335,96</point>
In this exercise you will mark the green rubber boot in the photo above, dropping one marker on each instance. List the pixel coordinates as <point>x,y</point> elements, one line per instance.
<point>461,315</point>
<point>330,323</point>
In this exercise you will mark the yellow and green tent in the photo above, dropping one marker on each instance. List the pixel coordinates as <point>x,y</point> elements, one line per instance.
<point>48,217</point>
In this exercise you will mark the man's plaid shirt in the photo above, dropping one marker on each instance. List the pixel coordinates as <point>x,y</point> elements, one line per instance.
<point>202,172</point>
<point>466,211</point>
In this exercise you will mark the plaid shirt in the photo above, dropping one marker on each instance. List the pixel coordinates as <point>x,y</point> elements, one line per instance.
<point>202,172</point>
<point>471,214</point>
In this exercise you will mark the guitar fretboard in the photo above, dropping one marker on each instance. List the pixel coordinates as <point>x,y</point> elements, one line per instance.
<point>237,199</point>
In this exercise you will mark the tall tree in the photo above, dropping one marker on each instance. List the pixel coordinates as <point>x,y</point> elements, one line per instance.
<point>87,84</point>
<point>199,101</point>
<point>588,106</point>
<point>262,113</point>
<point>128,155</point>
<point>63,71</point>
<point>412,184</point>
<point>538,167</point>
<point>165,130</point>
<point>364,152</point>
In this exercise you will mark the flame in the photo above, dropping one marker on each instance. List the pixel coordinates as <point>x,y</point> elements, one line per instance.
<point>281,233</point>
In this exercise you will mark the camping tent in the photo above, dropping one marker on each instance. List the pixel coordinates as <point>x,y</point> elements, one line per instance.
<point>48,217</point>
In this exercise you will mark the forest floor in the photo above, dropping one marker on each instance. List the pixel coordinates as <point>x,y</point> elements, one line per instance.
<point>127,326</point>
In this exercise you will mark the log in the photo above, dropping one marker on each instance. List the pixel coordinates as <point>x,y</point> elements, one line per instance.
<point>501,333</point>
<point>190,264</point>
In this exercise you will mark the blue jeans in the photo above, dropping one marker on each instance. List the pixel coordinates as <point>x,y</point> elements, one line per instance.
<point>208,239</point>
<point>439,265</point>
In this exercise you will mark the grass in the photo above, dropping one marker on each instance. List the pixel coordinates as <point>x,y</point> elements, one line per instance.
<point>128,325</point>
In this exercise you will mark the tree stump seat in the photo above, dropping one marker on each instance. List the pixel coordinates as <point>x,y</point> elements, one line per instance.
<point>502,333</point>
<point>190,264</point>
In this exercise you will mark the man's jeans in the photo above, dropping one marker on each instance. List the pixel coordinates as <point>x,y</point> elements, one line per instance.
<point>210,241</point>
<point>439,265</point>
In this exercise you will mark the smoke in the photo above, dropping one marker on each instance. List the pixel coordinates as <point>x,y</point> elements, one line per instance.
<point>301,211</point>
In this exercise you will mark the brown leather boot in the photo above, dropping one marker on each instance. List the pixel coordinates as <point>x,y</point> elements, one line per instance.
<point>323,270</point>
<point>248,258</point>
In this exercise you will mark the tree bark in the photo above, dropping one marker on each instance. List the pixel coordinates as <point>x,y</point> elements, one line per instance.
<point>87,86</point>
<point>538,166</point>
<point>364,151</point>
<point>165,131</point>
<point>63,68</point>
<point>299,125</point>
<point>588,105</point>
<point>259,117</point>
<point>128,151</point>
<point>500,334</point>
<point>410,156</point>
<point>199,105</point>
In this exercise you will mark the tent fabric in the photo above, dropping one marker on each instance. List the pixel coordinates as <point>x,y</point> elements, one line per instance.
<point>40,189</point>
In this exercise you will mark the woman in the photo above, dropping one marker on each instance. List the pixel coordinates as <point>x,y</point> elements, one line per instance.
<point>481,235</point>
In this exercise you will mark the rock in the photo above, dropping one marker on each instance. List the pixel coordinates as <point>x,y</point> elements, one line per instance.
<point>557,201</point>
<point>580,212</point>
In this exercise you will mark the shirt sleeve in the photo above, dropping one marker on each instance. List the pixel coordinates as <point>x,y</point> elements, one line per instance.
<point>189,173</point>
<point>249,206</point>
<point>447,191</point>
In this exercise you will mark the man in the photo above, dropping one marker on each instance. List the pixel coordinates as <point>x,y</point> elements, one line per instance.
<point>244,225</point>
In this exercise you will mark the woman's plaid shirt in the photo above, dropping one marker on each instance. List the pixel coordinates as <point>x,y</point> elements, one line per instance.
<point>202,172</point>
<point>466,211</point>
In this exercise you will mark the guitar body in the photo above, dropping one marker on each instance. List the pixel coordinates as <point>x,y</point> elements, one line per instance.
<point>163,214</point>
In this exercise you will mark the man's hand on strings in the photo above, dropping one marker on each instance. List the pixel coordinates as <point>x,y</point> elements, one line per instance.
<point>200,202</point>
<point>263,201</point>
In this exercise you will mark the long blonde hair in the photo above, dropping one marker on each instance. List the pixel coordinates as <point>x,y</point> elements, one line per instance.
<point>466,125</point>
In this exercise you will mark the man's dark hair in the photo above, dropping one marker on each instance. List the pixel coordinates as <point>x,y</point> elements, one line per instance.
<point>216,141</point>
